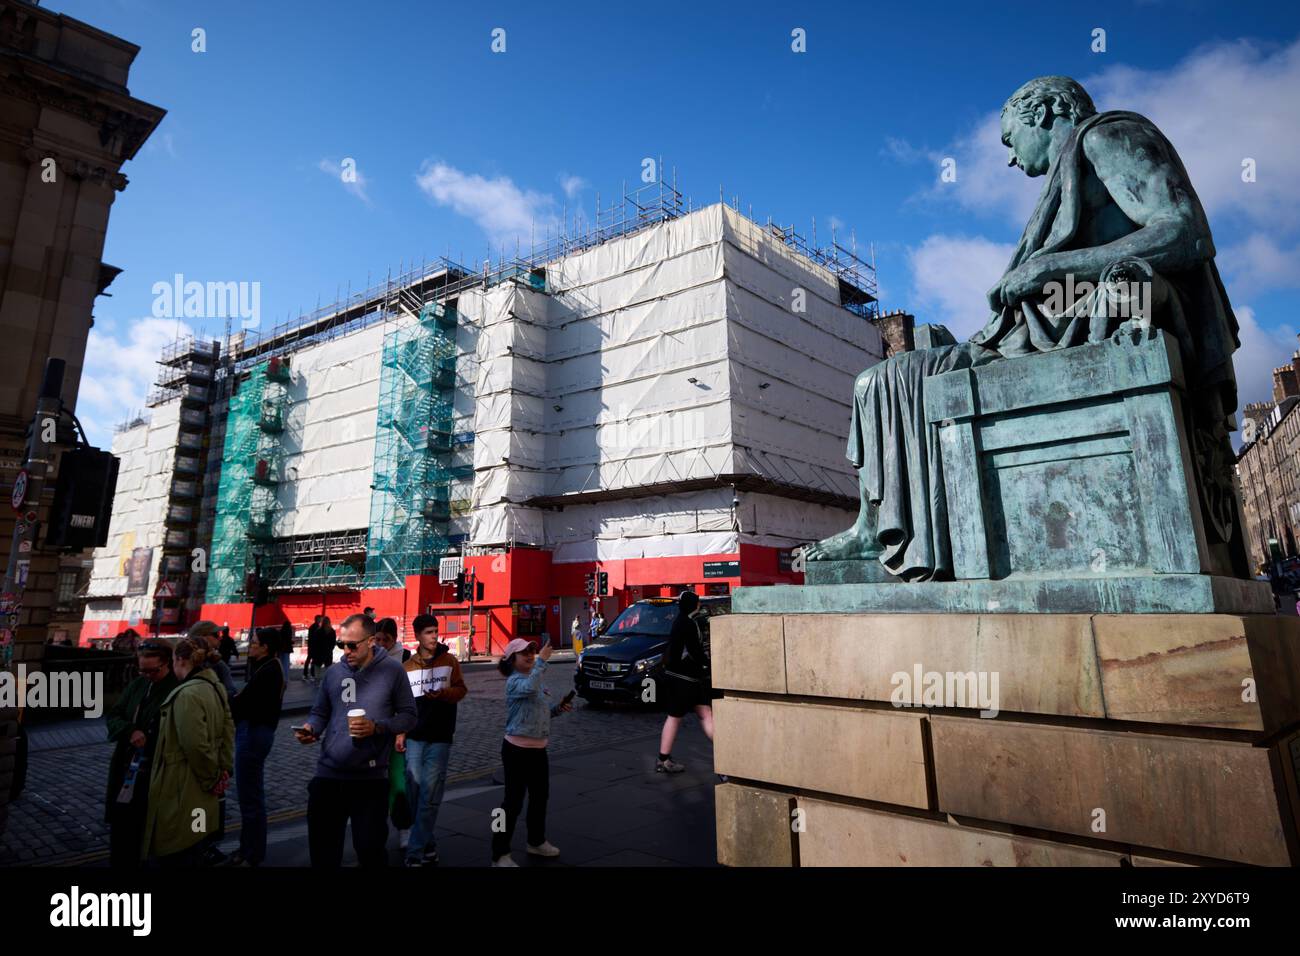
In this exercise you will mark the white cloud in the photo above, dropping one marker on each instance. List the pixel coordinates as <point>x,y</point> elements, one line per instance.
<point>572,185</point>
<point>1262,350</point>
<point>500,208</point>
<point>1222,104</point>
<point>981,181</point>
<point>355,182</point>
<point>119,372</point>
<point>162,141</point>
<point>951,276</point>
<point>1260,263</point>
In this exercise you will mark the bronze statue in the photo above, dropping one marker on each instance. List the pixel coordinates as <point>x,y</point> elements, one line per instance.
<point>1117,213</point>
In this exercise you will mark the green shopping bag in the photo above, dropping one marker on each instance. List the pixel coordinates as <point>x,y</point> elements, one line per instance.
<point>399,802</point>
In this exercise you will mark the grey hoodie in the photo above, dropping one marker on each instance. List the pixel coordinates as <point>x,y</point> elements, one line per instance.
<point>382,689</point>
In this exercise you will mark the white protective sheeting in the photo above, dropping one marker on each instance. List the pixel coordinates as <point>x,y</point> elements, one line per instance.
<point>675,354</point>
<point>510,384</point>
<point>329,438</point>
<point>588,388</point>
<point>642,250</point>
<point>698,522</point>
<point>144,478</point>
<point>507,523</point>
<point>786,522</point>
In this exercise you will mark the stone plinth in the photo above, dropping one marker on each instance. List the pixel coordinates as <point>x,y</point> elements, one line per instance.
<point>1114,739</point>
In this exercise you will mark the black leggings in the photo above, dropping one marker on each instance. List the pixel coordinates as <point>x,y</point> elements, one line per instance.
<point>527,771</point>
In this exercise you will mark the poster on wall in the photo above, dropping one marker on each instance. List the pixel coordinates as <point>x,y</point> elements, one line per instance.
<point>137,571</point>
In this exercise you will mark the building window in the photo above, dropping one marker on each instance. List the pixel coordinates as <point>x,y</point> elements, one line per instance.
<point>67,593</point>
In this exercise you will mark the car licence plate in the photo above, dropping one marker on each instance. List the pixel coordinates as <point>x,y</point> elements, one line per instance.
<point>603,685</point>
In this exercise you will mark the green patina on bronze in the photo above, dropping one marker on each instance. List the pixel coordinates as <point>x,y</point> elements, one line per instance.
<point>1080,434</point>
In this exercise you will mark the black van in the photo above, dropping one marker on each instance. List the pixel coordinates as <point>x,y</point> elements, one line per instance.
<point>631,648</point>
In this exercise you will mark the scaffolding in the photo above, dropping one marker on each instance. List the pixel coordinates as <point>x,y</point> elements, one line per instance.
<point>246,497</point>
<point>410,499</point>
<point>318,562</point>
<point>188,369</point>
<point>418,461</point>
<point>859,292</point>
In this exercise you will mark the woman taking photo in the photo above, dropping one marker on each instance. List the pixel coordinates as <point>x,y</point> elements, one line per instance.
<point>256,710</point>
<point>192,762</point>
<point>523,752</point>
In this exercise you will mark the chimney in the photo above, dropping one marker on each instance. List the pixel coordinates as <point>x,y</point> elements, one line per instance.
<point>896,329</point>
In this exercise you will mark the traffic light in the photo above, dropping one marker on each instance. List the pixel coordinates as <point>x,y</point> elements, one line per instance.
<point>478,590</point>
<point>591,585</point>
<point>461,591</point>
<point>255,589</point>
<point>602,584</point>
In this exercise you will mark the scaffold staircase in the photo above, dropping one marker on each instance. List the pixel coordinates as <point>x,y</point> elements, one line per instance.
<point>409,503</point>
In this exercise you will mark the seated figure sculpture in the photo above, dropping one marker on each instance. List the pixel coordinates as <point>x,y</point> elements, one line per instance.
<point>1117,212</point>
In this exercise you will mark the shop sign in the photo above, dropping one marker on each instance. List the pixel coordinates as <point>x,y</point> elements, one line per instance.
<point>722,569</point>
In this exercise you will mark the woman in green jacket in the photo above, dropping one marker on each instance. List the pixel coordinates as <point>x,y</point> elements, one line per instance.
<point>192,762</point>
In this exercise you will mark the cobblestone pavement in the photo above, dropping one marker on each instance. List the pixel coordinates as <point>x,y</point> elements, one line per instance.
<point>60,816</point>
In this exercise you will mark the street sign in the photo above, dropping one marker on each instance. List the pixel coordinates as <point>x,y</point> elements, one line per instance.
<point>20,491</point>
<point>722,569</point>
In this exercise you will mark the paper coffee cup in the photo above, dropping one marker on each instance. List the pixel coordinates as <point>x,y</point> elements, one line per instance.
<point>356,712</point>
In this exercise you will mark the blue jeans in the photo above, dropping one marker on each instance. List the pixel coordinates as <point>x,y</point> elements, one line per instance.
<point>252,746</point>
<point>426,775</point>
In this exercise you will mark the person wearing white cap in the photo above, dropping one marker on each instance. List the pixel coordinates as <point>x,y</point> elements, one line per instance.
<point>523,751</point>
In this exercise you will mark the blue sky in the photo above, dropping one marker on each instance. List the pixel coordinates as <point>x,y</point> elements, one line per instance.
<point>459,148</point>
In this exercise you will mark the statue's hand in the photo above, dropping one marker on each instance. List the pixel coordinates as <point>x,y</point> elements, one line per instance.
<point>1134,332</point>
<point>995,298</point>
<point>1021,282</point>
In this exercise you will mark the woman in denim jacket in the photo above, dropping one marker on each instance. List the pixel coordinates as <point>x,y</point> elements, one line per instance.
<point>523,752</point>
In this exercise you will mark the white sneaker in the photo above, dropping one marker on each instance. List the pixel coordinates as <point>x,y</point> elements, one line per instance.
<point>403,838</point>
<point>506,860</point>
<point>546,849</point>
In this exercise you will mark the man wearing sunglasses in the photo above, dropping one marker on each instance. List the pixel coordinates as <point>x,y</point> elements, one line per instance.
<point>351,782</point>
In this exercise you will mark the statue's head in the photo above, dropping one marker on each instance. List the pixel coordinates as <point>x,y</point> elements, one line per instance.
<point>1034,111</point>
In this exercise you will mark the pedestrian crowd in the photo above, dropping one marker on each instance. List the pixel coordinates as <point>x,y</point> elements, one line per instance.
<point>384,720</point>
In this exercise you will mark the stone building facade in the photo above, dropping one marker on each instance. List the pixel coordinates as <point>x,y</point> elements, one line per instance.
<point>1268,474</point>
<point>67,124</point>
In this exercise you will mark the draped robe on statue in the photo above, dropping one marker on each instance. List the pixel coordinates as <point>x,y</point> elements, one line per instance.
<point>897,451</point>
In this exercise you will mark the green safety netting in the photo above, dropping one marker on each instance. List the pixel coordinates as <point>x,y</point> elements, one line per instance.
<point>408,503</point>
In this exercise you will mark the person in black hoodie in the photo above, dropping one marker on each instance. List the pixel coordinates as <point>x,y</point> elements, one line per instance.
<point>313,645</point>
<point>438,686</point>
<point>227,646</point>
<point>322,652</point>
<point>687,684</point>
<point>256,710</point>
<point>284,647</point>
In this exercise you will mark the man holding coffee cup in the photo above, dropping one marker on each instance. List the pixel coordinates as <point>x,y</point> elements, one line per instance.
<point>363,702</point>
